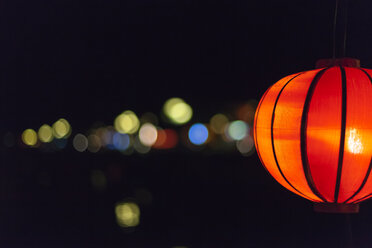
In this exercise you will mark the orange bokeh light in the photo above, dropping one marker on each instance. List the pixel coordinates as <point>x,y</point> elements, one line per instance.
<point>166,139</point>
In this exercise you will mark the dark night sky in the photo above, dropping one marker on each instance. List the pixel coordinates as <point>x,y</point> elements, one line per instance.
<point>88,61</point>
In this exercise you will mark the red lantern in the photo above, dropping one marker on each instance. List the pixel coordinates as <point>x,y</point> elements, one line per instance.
<point>313,134</point>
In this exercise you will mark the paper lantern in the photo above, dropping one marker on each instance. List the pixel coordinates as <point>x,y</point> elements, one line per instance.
<point>313,134</point>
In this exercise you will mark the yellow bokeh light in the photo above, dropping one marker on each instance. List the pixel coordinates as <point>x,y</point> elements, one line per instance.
<point>354,144</point>
<point>148,134</point>
<point>218,123</point>
<point>29,137</point>
<point>127,214</point>
<point>61,129</point>
<point>177,111</point>
<point>127,122</point>
<point>45,133</point>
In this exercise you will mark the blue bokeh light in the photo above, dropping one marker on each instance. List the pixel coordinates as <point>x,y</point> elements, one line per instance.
<point>198,134</point>
<point>121,141</point>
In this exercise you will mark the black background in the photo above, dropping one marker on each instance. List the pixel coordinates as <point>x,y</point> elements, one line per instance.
<point>89,60</point>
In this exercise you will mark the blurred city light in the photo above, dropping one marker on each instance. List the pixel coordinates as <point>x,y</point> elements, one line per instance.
<point>237,130</point>
<point>127,214</point>
<point>130,133</point>
<point>177,111</point>
<point>166,139</point>
<point>121,141</point>
<point>218,123</point>
<point>139,147</point>
<point>80,142</point>
<point>246,111</point>
<point>94,143</point>
<point>127,122</point>
<point>245,146</point>
<point>107,136</point>
<point>29,137</point>
<point>98,180</point>
<point>148,134</point>
<point>160,139</point>
<point>45,133</point>
<point>61,129</point>
<point>198,134</point>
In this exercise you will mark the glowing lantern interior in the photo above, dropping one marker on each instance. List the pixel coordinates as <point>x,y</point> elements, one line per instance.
<point>313,133</point>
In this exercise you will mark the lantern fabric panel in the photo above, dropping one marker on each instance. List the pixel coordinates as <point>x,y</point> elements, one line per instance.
<point>364,95</point>
<point>313,133</point>
<point>263,134</point>
<point>323,132</point>
<point>287,131</point>
<point>357,134</point>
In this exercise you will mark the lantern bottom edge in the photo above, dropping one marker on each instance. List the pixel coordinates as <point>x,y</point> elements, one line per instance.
<point>336,208</point>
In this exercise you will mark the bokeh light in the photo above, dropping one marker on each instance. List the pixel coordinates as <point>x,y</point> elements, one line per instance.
<point>237,130</point>
<point>45,133</point>
<point>139,147</point>
<point>218,123</point>
<point>80,142</point>
<point>107,136</point>
<point>246,111</point>
<point>160,139</point>
<point>29,137</point>
<point>61,129</point>
<point>127,122</point>
<point>198,134</point>
<point>166,139</point>
<point>148,134</point>
<point>245,146</point>
<point>131,134</point>
<point>127,214</point>
<point>94,143</point>
<point>177,111</point>
<point>121,141</point>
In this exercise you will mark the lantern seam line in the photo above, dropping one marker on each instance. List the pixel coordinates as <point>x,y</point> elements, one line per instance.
<point>303,134</point>
<point>362,184</point>
<point>342,136</point>
<point>361,199</point>
<point>370,163</point>
<point>272,136</point>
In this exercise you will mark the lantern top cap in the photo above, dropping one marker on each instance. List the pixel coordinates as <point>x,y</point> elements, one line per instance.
<point>349,62</point>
